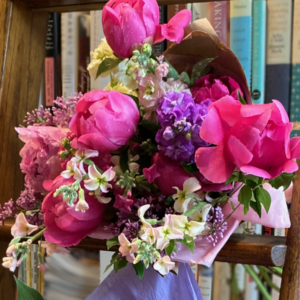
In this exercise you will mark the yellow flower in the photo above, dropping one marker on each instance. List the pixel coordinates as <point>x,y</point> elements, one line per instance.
<point>120,88</point>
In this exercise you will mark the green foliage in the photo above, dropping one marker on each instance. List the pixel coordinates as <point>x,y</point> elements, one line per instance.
<point>88,162</point>
<point>172,72</point>
<point>185,78</point>
<point>241,99</point>
<point>200,69</point>
<point>126,181</point>
<point>27,293</point>
<point>112,242</point>
<point>114,258</point>
<point>124,160</point>
<point>120,264</point>
<point>190,168</point>
<point>284,180</point>
<point>263,196</point>
<point>198,206</point>
<point>171,247</point>
<point>139,269</point>
<point>188,241</point>
<point>245,197</point>
<point>108,64</point>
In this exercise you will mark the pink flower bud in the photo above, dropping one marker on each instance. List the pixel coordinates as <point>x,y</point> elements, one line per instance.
<point>162,70</point>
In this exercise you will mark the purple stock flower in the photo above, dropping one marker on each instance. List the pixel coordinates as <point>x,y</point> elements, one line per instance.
<point>217,225</point>
<point>180,119</point>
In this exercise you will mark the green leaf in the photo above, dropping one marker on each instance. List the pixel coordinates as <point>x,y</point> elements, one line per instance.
<point>195,208</point>
<point>188,241</point>
<point>112,261</point>
<point>199,69</point>
<point>256,206</point>
<point>120,264</point>
<point>283,179</point>
<point>124,160</point>
<point>112,242</point>
<point>25,292</point>
<point>153,57</point>
<point>15,240</point>
<point>88,162</point>
<point>251,183</point>
<point>151,126</point>
<point>236,176</point>
<point>264,197</point>
<point>139,269</point>
<point>241,99</point>
<point>185,78</point>
<point>232,206</point>
<point>254,178</point>
<point>170,247</point>
<point>172,72</point>
<point>169,201</point>
<point>190,168</point>
<point>108,64</point>
<point>244,197</point>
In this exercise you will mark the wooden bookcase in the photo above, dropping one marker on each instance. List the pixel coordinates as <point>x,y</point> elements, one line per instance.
<point>23,27</point>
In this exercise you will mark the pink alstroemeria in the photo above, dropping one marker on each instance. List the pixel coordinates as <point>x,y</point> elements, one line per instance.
<point>53,248</point>
<point>126,248</point>
<point>98,180</point>
<point>164,265</point>
<point>167,232</point>
<point>150,235</point>
<point>11,251</point>
<point>22,227</point>
<point>72,170</point>
<point>81,155</point>
<point>10,263</point>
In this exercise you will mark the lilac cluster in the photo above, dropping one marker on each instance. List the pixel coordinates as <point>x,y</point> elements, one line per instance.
<point>180,119</point>
<point>28,199</point>
<point>9,209</point>
<point>129,224</point>
<point>217,225</point>
<point>63,112</point>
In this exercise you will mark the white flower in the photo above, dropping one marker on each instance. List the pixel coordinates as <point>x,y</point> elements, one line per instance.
<point>81,206</point>
<point>133,166</point>
<point>150,235</point>
<point>124,74</point>
<point>10,263</point>
<point>178,86</point>
<point>141,213</point>
<point>81,155</point>
<point>191,228</point>
<point>167,232</point>
<point>72,170</point>
<point>101,199</point>
<point>103,51</point>
<point>182,198</point>
<point>98,180</point>
<point>126,248</point>
<point>201,216</point>
<point>164,265</point>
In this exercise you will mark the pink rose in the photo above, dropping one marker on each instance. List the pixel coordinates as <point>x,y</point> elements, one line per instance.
<point>127,23</point>
<point>40,161</point>
<point>64,225</point>
<point>104,121</point>
<point>253,138</point>
<point>213,88</point>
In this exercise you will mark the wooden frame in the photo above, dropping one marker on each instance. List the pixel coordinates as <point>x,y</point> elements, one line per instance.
<point>23,27</point>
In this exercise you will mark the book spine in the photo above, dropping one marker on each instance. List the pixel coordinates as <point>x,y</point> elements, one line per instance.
<point>221,279</point>
<point>295,86</point>
<point>279,51</point>
<point>219,19</point>
<point>200,11</point>
<point>69,45</point>
<point>28,268</point>
<point>240,33</point>
<point>205,281</point>
<point>83,52</point>
<point>159,48</point>
<point>259,51</point>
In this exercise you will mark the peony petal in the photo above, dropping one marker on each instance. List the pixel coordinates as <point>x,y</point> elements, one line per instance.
<point>255,171</point>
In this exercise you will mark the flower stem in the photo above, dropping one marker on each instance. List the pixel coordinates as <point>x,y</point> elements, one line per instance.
<point>260,286</point>
<point>37,235</point>
<point>267,278</point>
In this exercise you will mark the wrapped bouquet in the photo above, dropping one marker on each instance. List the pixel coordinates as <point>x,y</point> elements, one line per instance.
<point>165,162</point>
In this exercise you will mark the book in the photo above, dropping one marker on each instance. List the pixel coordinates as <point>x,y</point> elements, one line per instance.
<point>240,33</point>
<point>83,52</point>
<point>221,279</point>
<point>200,11</point>
<point>219,19</point>
<point>259,22</point>
<point>295,85</point>
<point>95,40</point>
<point>279,29</point>
<point>69,53</point>
<point>161,47</point>
<point>205,278</point>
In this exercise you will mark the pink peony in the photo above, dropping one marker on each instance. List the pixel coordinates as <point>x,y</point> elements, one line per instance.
<point>128,23</point>
<point>104,121</point>
<point>64,225</point>
<point>40,161</point>
<point>213,88</point>
<point>253,138</point>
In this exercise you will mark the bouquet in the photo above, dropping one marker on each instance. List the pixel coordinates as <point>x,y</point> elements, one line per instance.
<point>165,162</point>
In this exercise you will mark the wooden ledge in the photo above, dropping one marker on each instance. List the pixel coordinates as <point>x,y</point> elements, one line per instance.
<point>240,248</point>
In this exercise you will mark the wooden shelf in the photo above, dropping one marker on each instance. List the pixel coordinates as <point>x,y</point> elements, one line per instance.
<point>86,5</point>
<point>240,248</point>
